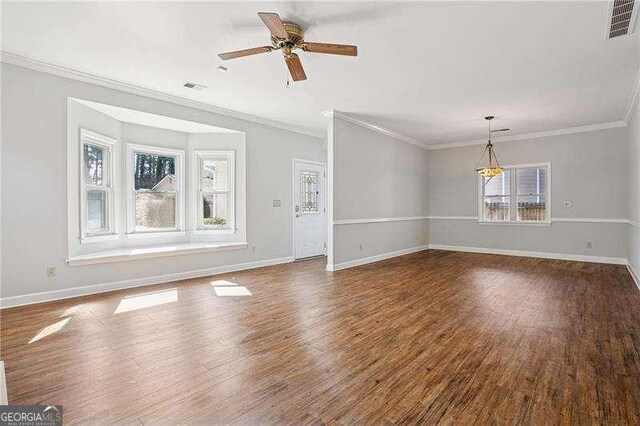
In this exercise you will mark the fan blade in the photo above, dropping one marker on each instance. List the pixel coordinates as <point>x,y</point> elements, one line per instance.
<point>245,52</point>
<point>332,49</point>
<point>274,23</point>
<point>295,67</point>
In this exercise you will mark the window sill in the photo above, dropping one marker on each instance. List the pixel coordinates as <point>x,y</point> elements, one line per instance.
<point>99,238</point>
<point>487,222</point>
<point>213,232</point>
<point>138,253</point>
<point>159,234</point>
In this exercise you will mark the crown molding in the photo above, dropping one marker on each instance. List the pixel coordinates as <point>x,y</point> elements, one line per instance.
<point>525,136</point>
<point>633,99</point>
<point>368,125</point>
<point>60,71</point>
<point>534,135</point>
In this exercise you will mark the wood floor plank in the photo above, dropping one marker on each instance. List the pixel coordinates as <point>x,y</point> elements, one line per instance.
<point>431,337</point>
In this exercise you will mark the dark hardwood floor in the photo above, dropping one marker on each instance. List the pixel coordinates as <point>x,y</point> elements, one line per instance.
<point>430,337</point>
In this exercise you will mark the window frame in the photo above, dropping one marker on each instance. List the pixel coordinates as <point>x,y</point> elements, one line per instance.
<point>88,137</point>
<point>132,149</point>
<point>196,177</point>
<point>513,197</point>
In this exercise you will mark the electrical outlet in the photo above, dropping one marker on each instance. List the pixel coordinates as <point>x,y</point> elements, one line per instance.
<point>253,249</point>
<point>416,238</point>
<point>51,271</point>
<point>589,245</point>
<point>360,247</point>
<point>568,203</point>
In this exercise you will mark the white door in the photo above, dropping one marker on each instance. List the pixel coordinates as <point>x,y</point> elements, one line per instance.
<point>309,216</point>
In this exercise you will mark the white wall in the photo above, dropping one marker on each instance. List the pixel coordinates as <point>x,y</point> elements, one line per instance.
<point>34,166</point>
<point>590,169</point>
<point>374,176</point>
<point>633,193</point>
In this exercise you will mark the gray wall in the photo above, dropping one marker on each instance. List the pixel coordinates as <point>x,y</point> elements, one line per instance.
<point>375,176</point>
<point>590,169</point>
<point>34,167</point>
<point>633,193</point>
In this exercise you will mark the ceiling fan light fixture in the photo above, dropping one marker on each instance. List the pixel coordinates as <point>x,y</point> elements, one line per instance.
<point>289,36</point>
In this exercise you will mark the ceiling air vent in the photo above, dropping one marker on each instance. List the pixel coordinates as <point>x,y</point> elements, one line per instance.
<point>194,86</point>
<point>622,17</point>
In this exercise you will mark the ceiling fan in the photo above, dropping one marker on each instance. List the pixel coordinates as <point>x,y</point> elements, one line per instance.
<point>287,36</point>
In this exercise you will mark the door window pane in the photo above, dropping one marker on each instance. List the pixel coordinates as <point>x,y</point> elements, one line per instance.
<point>309,196</point>
<point>93,165</point>
<point>96,211</point>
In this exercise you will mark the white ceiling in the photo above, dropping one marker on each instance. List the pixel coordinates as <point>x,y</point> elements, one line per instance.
<point>428,70</point>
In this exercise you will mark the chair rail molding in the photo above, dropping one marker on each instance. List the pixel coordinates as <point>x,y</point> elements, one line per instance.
<point>378,220</point>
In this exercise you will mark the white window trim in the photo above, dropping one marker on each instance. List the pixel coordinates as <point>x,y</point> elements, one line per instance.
<point>110,145</point>
<point>513,195</point>
<point>196,205</point>
<point>180,197</point>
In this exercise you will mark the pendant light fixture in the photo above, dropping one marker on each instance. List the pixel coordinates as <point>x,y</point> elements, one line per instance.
<point>493,167</point>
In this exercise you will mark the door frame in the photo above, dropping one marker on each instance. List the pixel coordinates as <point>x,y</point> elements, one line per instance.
<point>295,161</point>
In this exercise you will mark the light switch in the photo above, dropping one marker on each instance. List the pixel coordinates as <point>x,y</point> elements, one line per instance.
<point>277,203</point>
<point>568,203</point>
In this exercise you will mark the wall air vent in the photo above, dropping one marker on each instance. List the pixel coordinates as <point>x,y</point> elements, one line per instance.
<point>194,86</point>
<point>622,17</point>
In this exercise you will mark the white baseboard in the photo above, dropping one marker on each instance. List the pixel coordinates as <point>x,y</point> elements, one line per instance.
<point>539,254</point>
<point>28,299</point>
<point>634,275</point>
<point>376,258</point>
<point>3,386</point>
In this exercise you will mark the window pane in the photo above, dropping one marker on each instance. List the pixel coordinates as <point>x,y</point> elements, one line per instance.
<point>93,160</point>
<point>532,180</point>
<point>215,210</point>
<point>532,207</point>
<point>309,188</point>
<point>498,185</point>
<point>214,175</point>
<point>496,201</point>
<point>155,172</point>
<point>155,210</point>
<point>496,208</point>
<point>532,188</point>
<point>96,211</point>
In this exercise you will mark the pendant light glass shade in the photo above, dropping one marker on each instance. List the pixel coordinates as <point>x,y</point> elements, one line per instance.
<point>492,168</point>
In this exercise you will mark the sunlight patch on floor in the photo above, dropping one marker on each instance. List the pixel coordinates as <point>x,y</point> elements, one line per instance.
<point>225,288</point>
<point>50,329</point>
<point>147,300</point>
